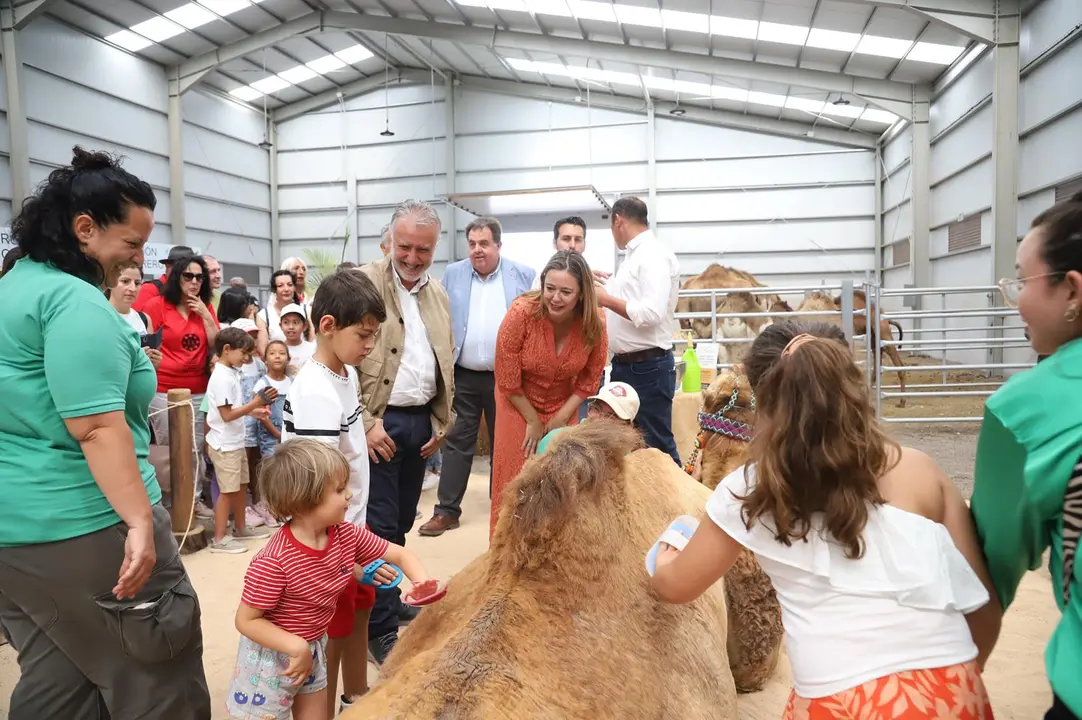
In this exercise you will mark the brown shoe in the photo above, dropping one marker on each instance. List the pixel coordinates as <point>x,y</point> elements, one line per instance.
<point>438,525</point>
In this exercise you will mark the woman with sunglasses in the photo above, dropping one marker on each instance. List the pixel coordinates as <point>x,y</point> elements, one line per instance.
<point>1027,494</point>
<point>189,327</point>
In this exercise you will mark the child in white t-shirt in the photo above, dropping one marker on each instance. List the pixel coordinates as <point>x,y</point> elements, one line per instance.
<point>323,405</point>
<point>294,323</point>
<point>225,439</point>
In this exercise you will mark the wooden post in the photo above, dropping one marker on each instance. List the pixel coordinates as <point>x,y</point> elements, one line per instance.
<point>182,472</point>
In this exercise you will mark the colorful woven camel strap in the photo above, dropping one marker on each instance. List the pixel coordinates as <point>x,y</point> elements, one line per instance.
<point>693,458</point>
<point>718,424</point>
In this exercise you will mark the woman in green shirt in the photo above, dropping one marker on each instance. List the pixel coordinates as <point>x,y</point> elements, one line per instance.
<point>93,595</point>
<point>1027,495</point>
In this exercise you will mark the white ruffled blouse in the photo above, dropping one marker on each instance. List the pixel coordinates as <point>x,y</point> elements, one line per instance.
<point>899,607</point>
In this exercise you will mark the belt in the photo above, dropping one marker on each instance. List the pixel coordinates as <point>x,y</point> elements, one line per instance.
<point>640,356</point>
<point>409,409</point>
<point>463,368</point>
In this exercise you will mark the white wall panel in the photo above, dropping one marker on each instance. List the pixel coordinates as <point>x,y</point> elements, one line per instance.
<point>211,216</point>
<point>1046,24</point>
<point>225,154</point>
<point>757,237</point>
<point>1052,88</point>
<point>388,193</point>
<point>840,167</point>
<point>897,223</point>
<point>963,194</point>
<point>967,92</point>
<point>231,248</point>
<point>406,95</point>
<point>226,117</point>
<point>1031,206</point>
<point>851,201</point>
<point>676,140</point>
<point>378,162</point>
<point>230,188</point>
<point>828,265</point>
<point>613,144</point>
<point>965,144</point>
<point>51,146</point>
<point>609,179</point>
<point>363,127</point>
<point>1052,154</point>
<point>966,269</point>
<point>479,113</point>
<point>313,197</point>
<point>897,188</point>
<point>314,225</point>
<point>898,150</point>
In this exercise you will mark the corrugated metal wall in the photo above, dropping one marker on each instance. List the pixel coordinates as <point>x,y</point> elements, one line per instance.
<point>81,91</point>
<point>788,210</point>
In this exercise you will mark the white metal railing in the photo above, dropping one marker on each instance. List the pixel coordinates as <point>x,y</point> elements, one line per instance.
<point>931,326</point>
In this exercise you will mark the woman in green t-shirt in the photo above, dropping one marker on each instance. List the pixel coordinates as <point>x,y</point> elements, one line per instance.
<point>1027,493</point>
<point>92,592</point>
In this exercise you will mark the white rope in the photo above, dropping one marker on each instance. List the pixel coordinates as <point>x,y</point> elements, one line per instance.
<point>191,512</point>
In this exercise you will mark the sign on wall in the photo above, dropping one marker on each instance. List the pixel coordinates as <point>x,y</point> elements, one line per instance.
<point>152,252</point>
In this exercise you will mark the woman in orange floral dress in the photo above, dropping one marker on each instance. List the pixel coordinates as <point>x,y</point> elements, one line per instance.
<point>870,547</point>
<point>551,349</point>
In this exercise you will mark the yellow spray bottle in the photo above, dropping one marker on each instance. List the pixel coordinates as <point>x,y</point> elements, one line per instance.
<point>692,372</point>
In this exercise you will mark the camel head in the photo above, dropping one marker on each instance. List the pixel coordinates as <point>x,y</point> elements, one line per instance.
<point>726,424</point>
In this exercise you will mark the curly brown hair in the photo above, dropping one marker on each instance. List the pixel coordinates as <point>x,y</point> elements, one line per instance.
<point>818,448</point>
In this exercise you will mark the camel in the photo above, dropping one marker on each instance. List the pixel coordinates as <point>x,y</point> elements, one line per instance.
<point>719,276</point>
<point>558,620</point>
<point>821,301</point>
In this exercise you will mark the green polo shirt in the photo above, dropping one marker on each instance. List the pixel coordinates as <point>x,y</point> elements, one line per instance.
<point>67,354</point>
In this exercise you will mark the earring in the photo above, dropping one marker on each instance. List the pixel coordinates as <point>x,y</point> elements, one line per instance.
<point>1071,315</point>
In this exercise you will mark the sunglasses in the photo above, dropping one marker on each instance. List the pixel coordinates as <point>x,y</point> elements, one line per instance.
<point>192,277</point>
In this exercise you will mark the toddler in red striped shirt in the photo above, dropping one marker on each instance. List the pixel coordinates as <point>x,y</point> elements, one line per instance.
<point>293,583</point>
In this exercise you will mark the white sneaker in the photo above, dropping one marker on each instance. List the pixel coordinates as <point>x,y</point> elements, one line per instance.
<point>252,533</point>
<point>202,511</point>
<point>431,481</point>
<point>252,518</point>
<point>228,545</point>
<point>268,517</point>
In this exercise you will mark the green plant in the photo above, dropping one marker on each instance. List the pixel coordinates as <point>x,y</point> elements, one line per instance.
<point>322,263</point>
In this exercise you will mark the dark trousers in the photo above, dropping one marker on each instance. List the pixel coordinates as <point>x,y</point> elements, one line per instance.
<point>655,382</point>
<point>475,393</point>
<point>394,489</point>
<point>85,655</point>
<point>1059,711</point>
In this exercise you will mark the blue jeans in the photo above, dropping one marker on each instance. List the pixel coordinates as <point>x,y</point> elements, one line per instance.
<point>267,442</point>
<point>655,382</point>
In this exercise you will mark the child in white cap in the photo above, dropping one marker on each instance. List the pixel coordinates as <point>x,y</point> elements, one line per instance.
<point>615,401</point>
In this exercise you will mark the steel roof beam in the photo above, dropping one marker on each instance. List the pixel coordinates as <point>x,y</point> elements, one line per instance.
<point>978,20</point>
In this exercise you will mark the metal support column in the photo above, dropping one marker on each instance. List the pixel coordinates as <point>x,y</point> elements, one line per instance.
<point>16,112</point>
<point>879,214</point>
<point>272,164</point>
<point>1004,158</point>
<point>176,166</point>
<point>450,162</point>
<point>651,155</point>
<point>920,268</point>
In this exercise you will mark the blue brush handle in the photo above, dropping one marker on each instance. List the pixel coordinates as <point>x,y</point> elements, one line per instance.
<point>370,573</point>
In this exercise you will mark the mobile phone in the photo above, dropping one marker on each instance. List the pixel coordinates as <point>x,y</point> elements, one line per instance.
<point>152,340</point>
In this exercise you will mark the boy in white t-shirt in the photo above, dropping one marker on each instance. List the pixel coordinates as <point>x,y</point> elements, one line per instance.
<point>226,410</point>
<point>323,404</point>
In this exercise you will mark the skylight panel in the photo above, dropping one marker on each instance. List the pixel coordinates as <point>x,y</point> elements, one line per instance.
<point>770,99</point>
<point>660,83</point>
<point>298,74</point>
<point>734,27</point>
<point>833,40</point>
<point>686,21</point>
<point>326,64</point>
<point>846,111</point>
<point>805,104</point>
<point>157,29</point>
<point>635,15</point>
<point>879,116</point>
<point>787,34</point>
<point>472,3</point>
<point>353,55</point>
<point>883,46</point>
<point>128,40</point>
<point>191,16</point>
<point>246,93</point>
<point>224,7</point>
<point>548,7</point>
<point>270,84</point>
<point>522,64</point>
<point>934,53</point>
<point>512,5</point>
<point>589,10</point>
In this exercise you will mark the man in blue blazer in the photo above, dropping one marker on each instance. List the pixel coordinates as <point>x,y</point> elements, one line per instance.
<point>480,289</point>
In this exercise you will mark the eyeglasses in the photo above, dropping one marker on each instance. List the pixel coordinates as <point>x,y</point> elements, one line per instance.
<point>192,277</point>
<point>1011,288</point>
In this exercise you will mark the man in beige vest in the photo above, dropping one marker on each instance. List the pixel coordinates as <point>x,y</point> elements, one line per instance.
<point>407,384</point>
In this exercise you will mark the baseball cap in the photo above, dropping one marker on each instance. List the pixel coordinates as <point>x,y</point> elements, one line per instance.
<point>244,324</point>
<point>621,397</point>
<point>176,253</point>
<point>293,308</point>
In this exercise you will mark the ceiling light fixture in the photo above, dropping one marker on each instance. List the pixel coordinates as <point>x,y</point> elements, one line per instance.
<point>678,112</point>
<point>840,101</point>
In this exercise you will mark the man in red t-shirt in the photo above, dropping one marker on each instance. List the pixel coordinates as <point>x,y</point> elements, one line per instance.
<point>153,289</point>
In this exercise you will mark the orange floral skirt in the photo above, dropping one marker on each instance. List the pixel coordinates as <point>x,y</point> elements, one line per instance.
<point>955,692</point>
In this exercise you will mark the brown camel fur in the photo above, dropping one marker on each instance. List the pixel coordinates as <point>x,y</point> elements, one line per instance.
<point>558,620</point>
<point>719,276</point>
<point>748,591</point>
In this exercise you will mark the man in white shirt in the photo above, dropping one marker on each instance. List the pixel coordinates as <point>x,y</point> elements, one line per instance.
<point>407,383</point>
<point>480,289</point>
<point>640,300</point>
<point>568,233</point>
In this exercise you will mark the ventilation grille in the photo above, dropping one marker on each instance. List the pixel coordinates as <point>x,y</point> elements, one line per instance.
<point>900,252</point>
<point>964,234</point>
<point>1068,189</point>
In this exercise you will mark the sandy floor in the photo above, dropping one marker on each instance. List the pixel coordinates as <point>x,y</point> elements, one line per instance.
<point>1015,675</point>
